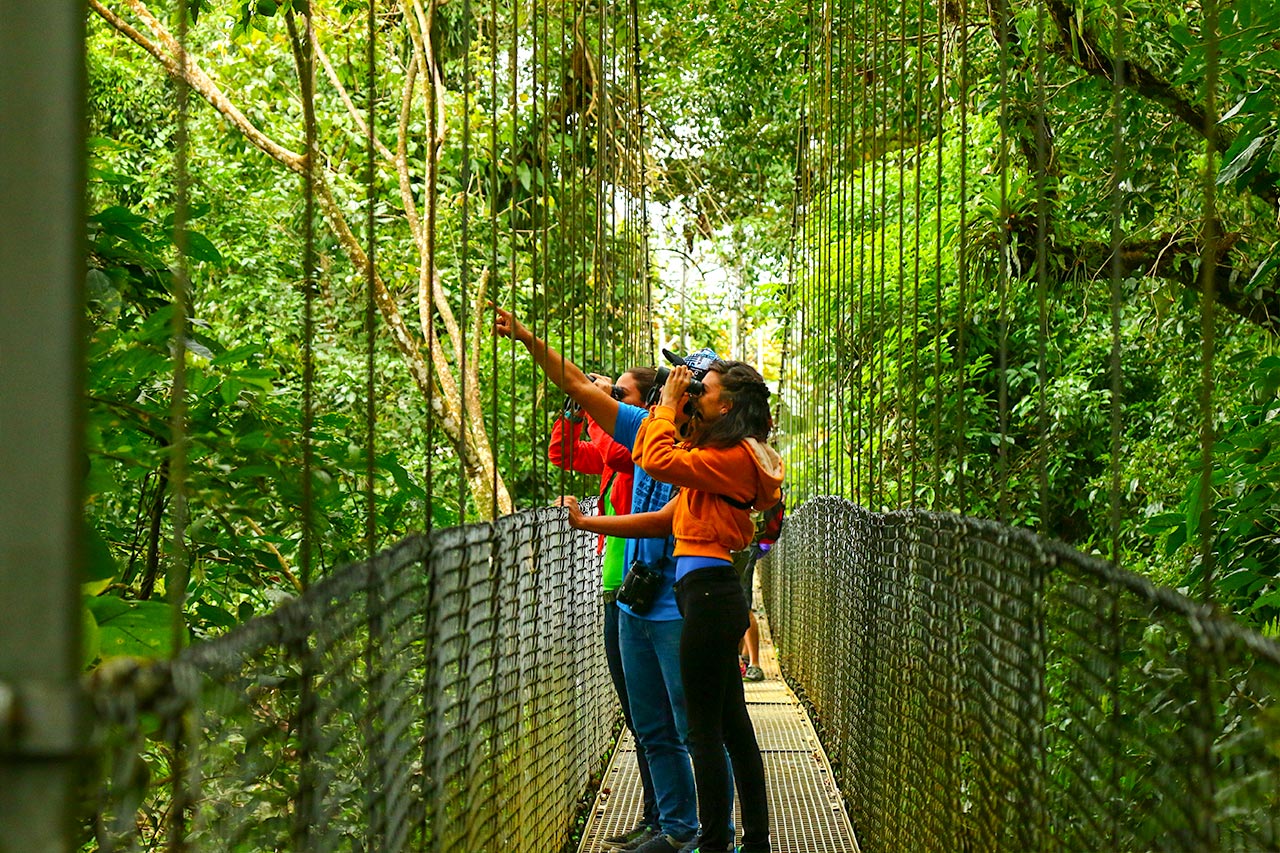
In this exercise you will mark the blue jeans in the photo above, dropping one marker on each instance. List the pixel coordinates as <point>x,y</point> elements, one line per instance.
<point>651,662</point>
<point>613,654</point>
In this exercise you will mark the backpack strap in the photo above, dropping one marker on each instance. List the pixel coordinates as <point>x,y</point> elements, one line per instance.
<point>739,504</point>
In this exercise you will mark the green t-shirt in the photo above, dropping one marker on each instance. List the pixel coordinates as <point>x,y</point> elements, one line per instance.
<point>611,566</point>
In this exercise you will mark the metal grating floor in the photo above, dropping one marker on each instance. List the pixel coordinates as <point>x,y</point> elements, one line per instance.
<point>806,814</point>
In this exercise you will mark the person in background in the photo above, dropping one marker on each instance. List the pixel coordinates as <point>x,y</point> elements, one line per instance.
<point>612,461</point>
<point>768,528</point>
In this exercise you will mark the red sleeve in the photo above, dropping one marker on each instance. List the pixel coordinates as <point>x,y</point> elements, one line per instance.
<point>615,455</point>
<point>569,452</point>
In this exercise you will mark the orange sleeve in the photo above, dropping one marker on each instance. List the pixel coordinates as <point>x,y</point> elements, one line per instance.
<point>709,469</point>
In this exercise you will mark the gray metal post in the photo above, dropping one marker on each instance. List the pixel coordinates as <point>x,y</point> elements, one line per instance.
<point>41,279</point>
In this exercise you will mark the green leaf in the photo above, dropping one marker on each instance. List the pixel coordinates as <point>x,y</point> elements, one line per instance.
<point>526,177</point>
<point>133,628</point>
<point>99,564</point>
<point>90,636</point>
<point>1242,161</point>
<point>200,247</point>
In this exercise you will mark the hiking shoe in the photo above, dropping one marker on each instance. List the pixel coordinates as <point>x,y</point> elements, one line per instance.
<point>631,839</point>
<point>753,673</point>
<point>660,843</point>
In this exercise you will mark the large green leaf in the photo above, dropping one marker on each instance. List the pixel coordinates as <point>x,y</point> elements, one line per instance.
<point>132,628</point>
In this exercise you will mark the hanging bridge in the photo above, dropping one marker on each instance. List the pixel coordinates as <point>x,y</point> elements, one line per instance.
<point>973,682</point>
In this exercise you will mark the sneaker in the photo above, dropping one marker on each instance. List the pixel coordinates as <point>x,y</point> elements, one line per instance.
<point>631,839</point>
<point>753,673</point>
<point>660,843</point>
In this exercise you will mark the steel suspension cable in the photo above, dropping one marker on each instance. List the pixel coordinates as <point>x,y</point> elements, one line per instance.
<point>962,270</point>
<point>1118,179</point>
<point>1042,263</point>
<point>935,499</point>
<point>641,151</point>
<point>178,575</point>
<point>873,222</point>
<point>1003,34</point>
<point>917,169</point>
<point>1208,299</point>
<point>494,224</point>
<point>899,360</point>
<point>376,828</point>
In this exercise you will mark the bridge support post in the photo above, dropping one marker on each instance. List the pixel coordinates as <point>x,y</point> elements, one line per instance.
<point>42,272</point>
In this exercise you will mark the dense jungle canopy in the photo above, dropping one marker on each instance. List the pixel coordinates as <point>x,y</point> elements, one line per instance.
<point>663,173</point>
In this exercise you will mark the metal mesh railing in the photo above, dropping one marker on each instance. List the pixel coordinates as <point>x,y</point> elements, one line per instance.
<point>449,695</point>
<point>978,688</point>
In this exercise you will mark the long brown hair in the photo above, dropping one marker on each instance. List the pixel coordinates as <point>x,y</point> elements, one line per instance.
<point>748,417</point>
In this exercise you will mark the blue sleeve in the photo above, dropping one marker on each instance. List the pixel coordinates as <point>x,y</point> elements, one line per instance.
<point>627,425</point>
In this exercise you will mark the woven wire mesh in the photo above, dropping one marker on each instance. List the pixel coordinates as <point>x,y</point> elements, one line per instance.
<point>978,688</point>
<point>450,694</point>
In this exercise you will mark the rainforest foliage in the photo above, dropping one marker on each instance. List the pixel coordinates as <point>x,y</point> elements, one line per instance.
<point>896,188</point>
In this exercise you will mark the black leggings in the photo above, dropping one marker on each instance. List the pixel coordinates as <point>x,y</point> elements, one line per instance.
<point>715,618</point>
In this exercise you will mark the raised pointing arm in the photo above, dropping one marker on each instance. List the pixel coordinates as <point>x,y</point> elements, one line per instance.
<point>566,375</point>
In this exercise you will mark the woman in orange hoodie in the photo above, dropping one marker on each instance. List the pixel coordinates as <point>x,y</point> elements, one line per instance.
<point>724,470</point>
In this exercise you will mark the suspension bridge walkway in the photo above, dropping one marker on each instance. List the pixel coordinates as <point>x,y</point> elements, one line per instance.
<point>806,807</point>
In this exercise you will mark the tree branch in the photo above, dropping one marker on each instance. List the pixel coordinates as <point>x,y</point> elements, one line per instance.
<point>167,53</point>
<point>1170,258</point>
<point>1079,46</point>
<point>346,98</point>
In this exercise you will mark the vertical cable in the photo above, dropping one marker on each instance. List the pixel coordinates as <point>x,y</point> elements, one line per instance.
<point>513,237</point>
<point>831,237</point>
<point>939,332</point>
<point>1208,299</point>
<point>178,575</point>
<point>641,150</point>
<point>1118,177</point>
<point>842,157</point>
<point>491,192</point>
<point>375,803</point>
<point>864,399</point>
<point>370,334</point>
<point>1042,272</point>
<point>872,215</point>
<point>917,168</point>
<point>962,271</point>
<point>1003,273</point>
<point>464,272</point>
<point>899,360</point>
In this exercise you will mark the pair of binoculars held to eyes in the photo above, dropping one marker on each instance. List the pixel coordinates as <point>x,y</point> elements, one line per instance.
<point>698,363</point>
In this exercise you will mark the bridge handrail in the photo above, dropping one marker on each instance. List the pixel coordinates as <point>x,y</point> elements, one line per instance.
<point>449,694</point>
<point>980,688</point>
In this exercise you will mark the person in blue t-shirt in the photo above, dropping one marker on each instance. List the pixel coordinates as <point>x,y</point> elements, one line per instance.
<point>649,640</point>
